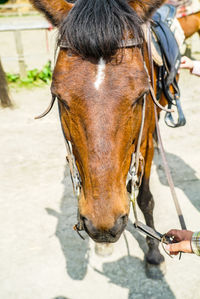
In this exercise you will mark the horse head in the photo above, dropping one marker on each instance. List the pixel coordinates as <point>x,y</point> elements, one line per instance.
<point>101,108</point>
<point>100,89</point>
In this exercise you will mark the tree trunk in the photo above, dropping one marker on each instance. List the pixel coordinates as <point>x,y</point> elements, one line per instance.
<point>4,96</point>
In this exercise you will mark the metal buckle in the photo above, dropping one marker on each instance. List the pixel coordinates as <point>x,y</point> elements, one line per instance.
<point>150,232</point>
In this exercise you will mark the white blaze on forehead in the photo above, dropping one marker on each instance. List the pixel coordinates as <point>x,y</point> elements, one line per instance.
<point>100,73</point>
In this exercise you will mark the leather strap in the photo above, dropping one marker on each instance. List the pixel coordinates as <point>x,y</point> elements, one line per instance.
<point>162,151</point>
<point>132,42</point>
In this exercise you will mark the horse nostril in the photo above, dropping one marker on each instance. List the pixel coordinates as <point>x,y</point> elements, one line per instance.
<point>120,224</point>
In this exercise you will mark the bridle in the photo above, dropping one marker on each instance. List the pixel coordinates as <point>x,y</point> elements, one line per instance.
<point>137,161</point>
<point>135,180</point>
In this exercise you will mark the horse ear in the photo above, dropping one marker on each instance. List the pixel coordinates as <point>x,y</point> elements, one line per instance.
<point>146,8</point>
<point>54,10</point>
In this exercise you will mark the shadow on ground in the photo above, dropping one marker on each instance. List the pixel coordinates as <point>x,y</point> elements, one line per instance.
<point>183,175</point>
<point>75,249</point>
<point>128,272</point>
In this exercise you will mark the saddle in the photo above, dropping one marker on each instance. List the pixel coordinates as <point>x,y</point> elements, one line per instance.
<point>168,49</point>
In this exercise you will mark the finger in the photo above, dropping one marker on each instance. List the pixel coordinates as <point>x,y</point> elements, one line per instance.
<point>184,65</point>
<point>174,253</point>
<point>173,248</point>
<point>172,232</point>
<point>184,246</point>
<point>179,235</point>
<point>167,247</point>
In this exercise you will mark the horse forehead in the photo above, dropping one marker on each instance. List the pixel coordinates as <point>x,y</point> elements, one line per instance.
<point>89,79</point>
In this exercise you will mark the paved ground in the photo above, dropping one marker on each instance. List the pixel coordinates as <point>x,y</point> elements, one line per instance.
<point>41,256</point>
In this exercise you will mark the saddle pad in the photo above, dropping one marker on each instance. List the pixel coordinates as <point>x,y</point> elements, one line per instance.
<point>166,13</point>
<point>155,48</point>
<point>168,44</point>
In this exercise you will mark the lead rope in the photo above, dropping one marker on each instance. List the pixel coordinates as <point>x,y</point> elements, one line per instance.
<point>163,155</point>
<point>162,151</point>
<point>135,162</point>
<point>168,174</point>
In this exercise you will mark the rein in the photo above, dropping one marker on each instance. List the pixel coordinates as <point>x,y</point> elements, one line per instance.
<point>166,166</point>
<point>135,182</point>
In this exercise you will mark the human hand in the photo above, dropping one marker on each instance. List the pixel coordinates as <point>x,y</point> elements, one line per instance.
<point>186,63</point>
<point>183,239</point>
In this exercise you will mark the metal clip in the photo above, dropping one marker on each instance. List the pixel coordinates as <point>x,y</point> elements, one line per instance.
<point>150,232</point>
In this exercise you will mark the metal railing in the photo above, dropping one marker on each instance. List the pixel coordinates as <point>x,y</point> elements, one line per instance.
<point>16,28</point>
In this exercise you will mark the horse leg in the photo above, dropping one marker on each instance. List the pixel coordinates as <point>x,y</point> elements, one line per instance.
<point>146,204</point>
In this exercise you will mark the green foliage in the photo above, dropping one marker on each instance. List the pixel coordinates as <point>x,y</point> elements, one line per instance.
<point>12,77</point>
<point>33,77</point>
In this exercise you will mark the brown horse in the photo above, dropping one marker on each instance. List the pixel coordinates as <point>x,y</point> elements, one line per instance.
<point>190,24</point>
<point>100,88</point>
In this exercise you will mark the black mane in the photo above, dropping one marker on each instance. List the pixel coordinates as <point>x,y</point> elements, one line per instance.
<point>96,28</point>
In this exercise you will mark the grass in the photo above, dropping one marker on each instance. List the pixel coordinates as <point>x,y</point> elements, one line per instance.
<point>34,78</point>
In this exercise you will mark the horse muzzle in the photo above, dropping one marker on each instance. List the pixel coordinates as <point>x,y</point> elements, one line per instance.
<point>109,235</point>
